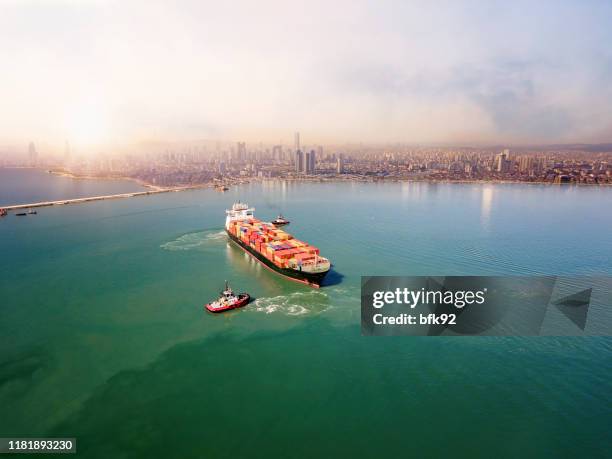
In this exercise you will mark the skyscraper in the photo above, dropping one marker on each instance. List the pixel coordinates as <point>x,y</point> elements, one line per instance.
<point>297,141</point>
<point>299,161</point>
<point>501,162</point>
<point>340,165</point>
<point>310,162</point>
<point>241,152</point>
<point>526,164</point>
<point>277,152</point>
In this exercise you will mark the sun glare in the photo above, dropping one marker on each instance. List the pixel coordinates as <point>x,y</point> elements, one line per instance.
<point>87,126</point>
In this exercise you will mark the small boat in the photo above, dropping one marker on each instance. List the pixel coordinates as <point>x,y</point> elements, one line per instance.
<point>280,220</point>
<point>21,214</point>
<point>228,300</point>
<point>32,212</point>
<point>3,212</point>
<point>222,188</point>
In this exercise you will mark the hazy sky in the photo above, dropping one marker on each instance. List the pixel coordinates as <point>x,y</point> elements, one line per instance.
<point>112,72</point>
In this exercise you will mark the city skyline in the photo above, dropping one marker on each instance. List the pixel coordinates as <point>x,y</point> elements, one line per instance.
<point>106,74</point>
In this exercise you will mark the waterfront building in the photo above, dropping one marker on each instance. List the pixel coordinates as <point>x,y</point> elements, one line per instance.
<point>526,164</point>
<point>501,162</point>
<point>299,162</point>
<point>309,163</point>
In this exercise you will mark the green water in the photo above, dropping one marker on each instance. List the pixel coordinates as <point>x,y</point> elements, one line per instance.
<point>103,336</point>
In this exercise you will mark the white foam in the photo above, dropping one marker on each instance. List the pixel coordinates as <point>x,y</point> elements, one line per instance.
<point>294,304</point>
<point>194,241</point>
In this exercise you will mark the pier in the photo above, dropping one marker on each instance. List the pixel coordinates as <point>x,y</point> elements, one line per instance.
<point>64,202</point>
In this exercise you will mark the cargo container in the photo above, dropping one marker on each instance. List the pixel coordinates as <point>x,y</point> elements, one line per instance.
<point>275,248</point>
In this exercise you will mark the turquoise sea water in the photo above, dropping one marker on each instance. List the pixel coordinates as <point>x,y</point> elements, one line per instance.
<point>103,336</point>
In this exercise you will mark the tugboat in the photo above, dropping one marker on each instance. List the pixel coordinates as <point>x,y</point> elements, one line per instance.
<point>280,220</point>
<point>228,300</point>
<point>3,212</point>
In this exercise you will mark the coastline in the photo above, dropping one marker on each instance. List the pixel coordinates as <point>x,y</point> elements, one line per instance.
<point>411,180</point>
<point>310,179</point>
<point>96,177</point>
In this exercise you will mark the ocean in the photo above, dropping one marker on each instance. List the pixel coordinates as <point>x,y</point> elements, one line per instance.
<point>103,336</point>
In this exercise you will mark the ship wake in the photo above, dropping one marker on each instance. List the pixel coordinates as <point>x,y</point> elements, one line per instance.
<point>293,304</point>
<point>195,241</point>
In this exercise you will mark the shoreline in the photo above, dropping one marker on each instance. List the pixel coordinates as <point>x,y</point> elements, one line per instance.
<point>312,179</point>
<point>155,189</point>
<point>431,181</point>
<point>95,177</point>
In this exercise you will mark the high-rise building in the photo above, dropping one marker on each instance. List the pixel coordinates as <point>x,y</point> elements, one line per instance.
<point>526,164</point>
<point>299,161</point>
<point>241,152</point>
<point>340,165</point>
<point>277,152</point>
<point>297,141</point>
<point>501,162</point>
<point>310,162</point>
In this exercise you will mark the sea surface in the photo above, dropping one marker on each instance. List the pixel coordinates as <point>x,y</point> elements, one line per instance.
<point>26,186</point>
<point>103,336</point>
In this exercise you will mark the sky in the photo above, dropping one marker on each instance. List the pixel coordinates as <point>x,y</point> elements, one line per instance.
<point>98,72</point>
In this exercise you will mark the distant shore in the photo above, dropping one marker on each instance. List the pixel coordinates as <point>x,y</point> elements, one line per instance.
<point>310,179</point>
<point>363,179</point>
<point>72,175</point>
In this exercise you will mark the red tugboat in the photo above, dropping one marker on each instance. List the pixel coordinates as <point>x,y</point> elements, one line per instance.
<point>3,212</point>
<point>228,300</point>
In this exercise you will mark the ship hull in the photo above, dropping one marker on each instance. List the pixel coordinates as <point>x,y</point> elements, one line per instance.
<point>312,279</point>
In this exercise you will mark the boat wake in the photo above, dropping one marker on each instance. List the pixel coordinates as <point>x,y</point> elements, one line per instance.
<point>294,304</point>
<point>195,241</point>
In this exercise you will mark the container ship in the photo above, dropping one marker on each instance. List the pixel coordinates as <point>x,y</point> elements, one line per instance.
<point>275,248</point>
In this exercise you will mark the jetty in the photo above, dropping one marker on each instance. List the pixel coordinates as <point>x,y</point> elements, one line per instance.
<point>64,202</point>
